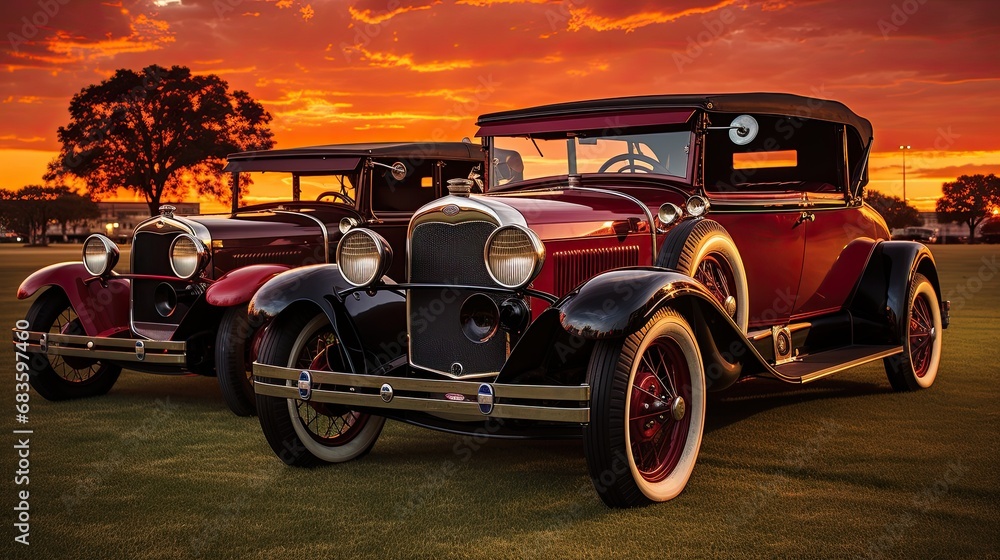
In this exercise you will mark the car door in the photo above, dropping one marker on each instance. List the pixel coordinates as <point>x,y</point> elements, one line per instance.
<point>839,239</point>
<point>768,232</point>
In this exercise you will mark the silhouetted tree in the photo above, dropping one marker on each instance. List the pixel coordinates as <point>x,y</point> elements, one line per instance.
<point>70,207</point>
<point>158,131</point>
<point>897,213</point>
<point>29,210</point>
<point>969,200</point>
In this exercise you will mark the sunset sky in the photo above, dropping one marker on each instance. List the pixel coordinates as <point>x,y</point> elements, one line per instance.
<point>925,72</point>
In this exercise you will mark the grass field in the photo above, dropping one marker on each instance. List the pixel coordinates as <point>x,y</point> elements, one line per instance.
<point>159,468</point>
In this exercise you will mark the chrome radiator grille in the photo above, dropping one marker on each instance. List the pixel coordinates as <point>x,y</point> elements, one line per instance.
<point>573,267</point>
<point>151,255</point>
<point>450,254</point>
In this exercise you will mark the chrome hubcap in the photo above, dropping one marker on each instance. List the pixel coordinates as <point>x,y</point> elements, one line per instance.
<point>678,408</point>
<point>730,306</point>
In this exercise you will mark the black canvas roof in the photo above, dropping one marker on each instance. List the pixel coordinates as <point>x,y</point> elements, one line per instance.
<point>344,157</point>
<point>780,104</point>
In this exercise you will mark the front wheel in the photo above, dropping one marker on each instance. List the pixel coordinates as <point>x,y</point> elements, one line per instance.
<point>916,368</point>
<point>58,378</point>
<point>307,433</point>
<point>704,250</point>
<point>647,412</point>
<point>232,361</point>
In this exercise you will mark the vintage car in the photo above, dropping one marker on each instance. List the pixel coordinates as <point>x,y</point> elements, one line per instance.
<point>629,256</point>
<point>183,306</point>
<point>922,234</point>
<point>990,232</point>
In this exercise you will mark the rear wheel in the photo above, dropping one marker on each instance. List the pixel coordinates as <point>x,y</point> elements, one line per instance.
<point>232,361</point>
<point>916,368</point>
<point>307,433</point>
<point>58,378</point>
<point>647,413</point>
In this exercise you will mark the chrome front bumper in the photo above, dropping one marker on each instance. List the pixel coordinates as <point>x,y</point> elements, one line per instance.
<point>120,350</point>
<point>479,400</point>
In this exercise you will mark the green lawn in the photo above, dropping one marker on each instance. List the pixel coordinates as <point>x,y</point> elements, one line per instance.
<point>159,468</point>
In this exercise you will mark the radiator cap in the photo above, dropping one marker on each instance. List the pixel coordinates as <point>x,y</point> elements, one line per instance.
<point>459,187</point>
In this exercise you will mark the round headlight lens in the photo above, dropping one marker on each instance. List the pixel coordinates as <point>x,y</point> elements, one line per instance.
<point>697,205</point>
<point>363,256</point>
<point>514,256</point>
<point>668,214</point>
<point>100,255</point>
<point>187,255</point>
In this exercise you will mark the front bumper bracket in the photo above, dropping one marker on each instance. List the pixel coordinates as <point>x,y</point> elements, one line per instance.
<point>120,350</point>
<point>549,403</point>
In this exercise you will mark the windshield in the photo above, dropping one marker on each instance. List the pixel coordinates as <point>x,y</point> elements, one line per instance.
<point>530,157</point>
<point>278,187</point>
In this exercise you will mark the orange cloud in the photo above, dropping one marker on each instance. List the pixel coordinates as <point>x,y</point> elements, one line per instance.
<point>487,3</point>
<point>15,138</point>
<point>375,17</point>
<point>307,12</point>
<point>147,34</point>
<point>584,18</point>
<point>389,60</point>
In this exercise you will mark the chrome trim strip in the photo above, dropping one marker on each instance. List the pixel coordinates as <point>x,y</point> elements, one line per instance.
<point>116,349</point>
<point>322,227</point>
<point>645,209</point>
<point>470,408</point>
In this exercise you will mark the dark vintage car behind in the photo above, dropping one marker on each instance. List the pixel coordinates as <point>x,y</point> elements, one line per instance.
<point>990,231</point>
<point>922,234</point>
<point>630,256</point>
<point>182,307</point>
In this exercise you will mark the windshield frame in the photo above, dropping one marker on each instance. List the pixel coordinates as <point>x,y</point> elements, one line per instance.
<point>540,142</point>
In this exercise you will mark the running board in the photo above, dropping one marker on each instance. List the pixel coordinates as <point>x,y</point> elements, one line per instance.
<point>815,366</point>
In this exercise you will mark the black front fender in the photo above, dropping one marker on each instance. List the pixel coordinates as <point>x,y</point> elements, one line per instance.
<point>372,325</point>
<point>619,302</point>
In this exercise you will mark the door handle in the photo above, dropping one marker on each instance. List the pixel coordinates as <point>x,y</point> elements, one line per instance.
<point>805,217</point>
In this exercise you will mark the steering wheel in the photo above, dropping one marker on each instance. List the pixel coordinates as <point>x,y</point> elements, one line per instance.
<point>632,167</point>
<point>335,195</point>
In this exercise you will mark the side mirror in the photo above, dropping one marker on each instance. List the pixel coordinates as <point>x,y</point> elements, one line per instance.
<point>742,130</point>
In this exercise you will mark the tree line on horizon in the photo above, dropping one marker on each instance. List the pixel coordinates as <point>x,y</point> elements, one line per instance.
<point>160,131</point>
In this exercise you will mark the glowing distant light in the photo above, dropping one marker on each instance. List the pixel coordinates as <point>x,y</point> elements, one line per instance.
<point>165,3</point>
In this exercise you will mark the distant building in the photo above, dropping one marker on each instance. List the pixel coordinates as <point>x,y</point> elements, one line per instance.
<point>117,221</point>
<point>948,232</point>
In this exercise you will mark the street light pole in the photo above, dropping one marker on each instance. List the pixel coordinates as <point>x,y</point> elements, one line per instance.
<point>904,148</point>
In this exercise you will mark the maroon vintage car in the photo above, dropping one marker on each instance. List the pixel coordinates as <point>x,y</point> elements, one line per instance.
<point>631,255</point>
<point>183,307</point>
<point>990,231</point>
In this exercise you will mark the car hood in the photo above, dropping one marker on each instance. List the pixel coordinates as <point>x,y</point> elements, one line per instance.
<point>257,229</point>
<point>572,213</point>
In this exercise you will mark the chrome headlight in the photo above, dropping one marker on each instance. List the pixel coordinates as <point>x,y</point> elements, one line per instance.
<point>100,255</point>
<point>187,256</point>
<point>514,256</point>
<point>697,206</point>
<point>363,256</point>
<point>669,213</point>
